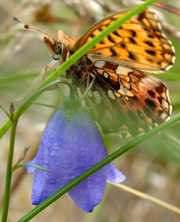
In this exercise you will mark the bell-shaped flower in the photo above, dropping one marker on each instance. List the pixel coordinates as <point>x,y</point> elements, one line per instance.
<point>67,149</point>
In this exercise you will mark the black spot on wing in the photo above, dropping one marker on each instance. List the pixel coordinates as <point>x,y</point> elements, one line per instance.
<point>132,40</point>
<point>110,39</point>
<point>160,100</point>
<point>123,45</point>
<point>133,33</point>
<point>150,104</point>
<point>150,36</point>
<point>149,60</point>
<point>151,52</point>
<point>101,42</point>
<point>159,63</point>
<point>132,56</point>
<point>113,52</point>
<point>159,89</point>
<point>116,33</point>
<point>151,93</point>
<point>149,43</point>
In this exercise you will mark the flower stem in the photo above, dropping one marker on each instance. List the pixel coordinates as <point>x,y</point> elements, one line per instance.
<point>9,172</point>
<point>14,120</point>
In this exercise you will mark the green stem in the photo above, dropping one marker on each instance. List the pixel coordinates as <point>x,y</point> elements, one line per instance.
<point>9,173</point>
<point>76,56</point>
<point>95,168</point>
<point>14,121</point>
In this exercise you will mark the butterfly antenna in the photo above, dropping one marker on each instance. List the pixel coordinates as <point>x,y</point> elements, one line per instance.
<point>26,26</point>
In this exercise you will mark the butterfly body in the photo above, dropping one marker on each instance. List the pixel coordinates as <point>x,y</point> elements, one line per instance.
<point>131,100</point>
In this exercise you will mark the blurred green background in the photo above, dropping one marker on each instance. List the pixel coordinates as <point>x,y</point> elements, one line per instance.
<point>153,167</point>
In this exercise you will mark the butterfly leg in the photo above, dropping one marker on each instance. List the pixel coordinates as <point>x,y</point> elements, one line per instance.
<point>45,70</point>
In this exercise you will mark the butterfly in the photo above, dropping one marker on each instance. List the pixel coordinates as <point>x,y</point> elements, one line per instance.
<point>131,100</point>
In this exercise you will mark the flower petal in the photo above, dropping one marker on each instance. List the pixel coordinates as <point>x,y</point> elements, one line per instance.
<point>67,149</point>
<point>114,175</point>
<point>89,192</point>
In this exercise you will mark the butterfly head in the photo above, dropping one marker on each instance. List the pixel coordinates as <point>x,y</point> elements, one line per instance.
<point>57,49</point>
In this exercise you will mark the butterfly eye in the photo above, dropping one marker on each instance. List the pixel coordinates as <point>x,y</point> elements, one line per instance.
<point>58,50</point>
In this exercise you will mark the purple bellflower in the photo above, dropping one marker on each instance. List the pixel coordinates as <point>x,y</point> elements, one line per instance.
<point>67,149</point>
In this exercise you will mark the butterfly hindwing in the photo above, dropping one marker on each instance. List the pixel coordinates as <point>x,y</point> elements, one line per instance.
<point>130,99</point>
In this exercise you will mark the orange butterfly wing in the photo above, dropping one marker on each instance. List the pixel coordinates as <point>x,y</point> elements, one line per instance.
<point>139,42</point>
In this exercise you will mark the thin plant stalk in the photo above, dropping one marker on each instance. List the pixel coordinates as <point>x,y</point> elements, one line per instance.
<point>14,120</point>
<point>147,197</point>
<point>9,171</point>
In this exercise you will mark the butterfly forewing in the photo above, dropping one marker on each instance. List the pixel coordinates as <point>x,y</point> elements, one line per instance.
<point>139,42</point>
